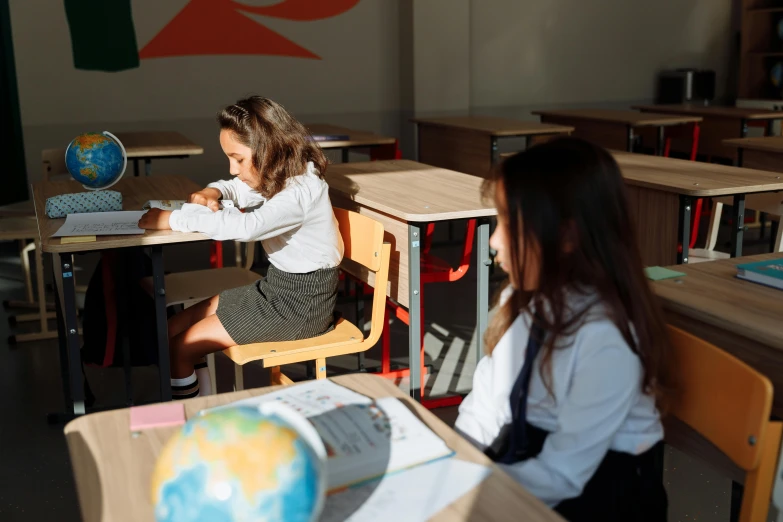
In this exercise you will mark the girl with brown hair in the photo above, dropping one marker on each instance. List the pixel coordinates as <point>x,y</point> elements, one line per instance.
<point>279,182</point>
<point>568,397</point>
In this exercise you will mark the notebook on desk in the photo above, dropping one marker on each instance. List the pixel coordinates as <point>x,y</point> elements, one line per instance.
<point>769,273</point>
<point>364,439</point>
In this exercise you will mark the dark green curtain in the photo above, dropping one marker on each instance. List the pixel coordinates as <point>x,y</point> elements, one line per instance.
<point>11,143</point>
<point>103,36</point>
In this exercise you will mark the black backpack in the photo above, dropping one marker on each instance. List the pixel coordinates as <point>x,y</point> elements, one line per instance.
<point>116,307</point>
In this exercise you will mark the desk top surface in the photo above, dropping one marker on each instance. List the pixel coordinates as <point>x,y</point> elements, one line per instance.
<point>113,468</point>
<point>715,111</point>
<point>411,191</point>
<point>693,178</point>
<point>135,192</point>
<point>495,126</point>
<point>763,143</point>
<point>712,293</point>
<point>149,144</point>
<point>355,138</point>
<point>625,117</point>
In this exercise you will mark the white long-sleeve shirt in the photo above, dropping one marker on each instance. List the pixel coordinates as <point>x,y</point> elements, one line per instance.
<point>296,226</point>
<point>598,405</point>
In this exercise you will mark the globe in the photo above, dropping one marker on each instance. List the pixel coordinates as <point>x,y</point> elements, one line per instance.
<point>241,463</point>
<point>97,161</point>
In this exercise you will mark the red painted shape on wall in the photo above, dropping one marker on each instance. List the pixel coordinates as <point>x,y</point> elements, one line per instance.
<point>218,27</point>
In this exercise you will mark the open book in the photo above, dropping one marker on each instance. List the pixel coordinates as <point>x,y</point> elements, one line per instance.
<point>364,439</point>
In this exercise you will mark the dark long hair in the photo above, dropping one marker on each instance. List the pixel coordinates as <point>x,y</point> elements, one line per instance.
<point>567,191</point>
<point>281,145</point>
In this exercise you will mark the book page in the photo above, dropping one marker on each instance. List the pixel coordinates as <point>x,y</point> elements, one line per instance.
<point>364,439</point>
<point>101,224</point>
<point>413,495</point>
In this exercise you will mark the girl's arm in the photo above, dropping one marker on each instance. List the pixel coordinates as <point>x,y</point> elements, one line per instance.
<point>281,214</point>
<point>237,191</point>
<point>605,386</point>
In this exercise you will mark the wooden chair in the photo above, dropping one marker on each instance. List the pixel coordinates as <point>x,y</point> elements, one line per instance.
<point>729,403</point>
<point>769,202</point>
<point>366,257</point>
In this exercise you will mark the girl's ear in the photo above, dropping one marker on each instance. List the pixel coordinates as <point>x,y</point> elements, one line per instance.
<point>569,237</point>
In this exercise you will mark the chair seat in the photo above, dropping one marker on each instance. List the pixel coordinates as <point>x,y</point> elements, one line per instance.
<point>344,333</point>
<point>197,285</point>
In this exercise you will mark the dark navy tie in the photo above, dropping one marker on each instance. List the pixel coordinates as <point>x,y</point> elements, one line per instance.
<point>517,439</point>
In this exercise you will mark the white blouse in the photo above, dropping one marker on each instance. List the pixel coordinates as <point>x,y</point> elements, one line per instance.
<point>296,226</point>
<point>598,405</point>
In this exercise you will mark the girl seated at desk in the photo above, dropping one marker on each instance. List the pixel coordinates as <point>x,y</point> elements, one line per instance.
<point>566,398</point>
<point>279,180</point>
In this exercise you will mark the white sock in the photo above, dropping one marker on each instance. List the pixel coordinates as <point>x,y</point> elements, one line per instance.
<point>204,382</point>
<point>185,388</point>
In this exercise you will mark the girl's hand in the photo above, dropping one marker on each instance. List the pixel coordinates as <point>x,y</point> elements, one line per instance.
<point>207,197</point>
<point>155,219</point>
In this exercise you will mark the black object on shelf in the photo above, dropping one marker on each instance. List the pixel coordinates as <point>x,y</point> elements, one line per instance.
<point>686,86</point>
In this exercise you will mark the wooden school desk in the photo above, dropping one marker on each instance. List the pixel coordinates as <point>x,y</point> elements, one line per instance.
<point>405,196</point>
<point>614,129</point>
<point>149,145</point>
<point>135,192</point>
<point>764,153</point>
<point>356,140</point>
<point>662,190</point>
<point>113,467</point>
<point>469,144</point>
<point>719,123</point>
<point>739,316</point>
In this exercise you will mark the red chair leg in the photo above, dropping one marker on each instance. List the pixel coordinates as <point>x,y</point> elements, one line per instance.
<point>667,147</point>
<point>699,202</point>
<point>216,254</point>
<point>695,142</point>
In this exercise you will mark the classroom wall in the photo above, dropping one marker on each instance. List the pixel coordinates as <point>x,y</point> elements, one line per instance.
<point>381,63</point>
<point>354,83</point>
<point>558,53</point>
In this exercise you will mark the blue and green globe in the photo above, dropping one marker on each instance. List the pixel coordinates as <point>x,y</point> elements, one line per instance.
<point>97,161</point>
<point>240,464</point>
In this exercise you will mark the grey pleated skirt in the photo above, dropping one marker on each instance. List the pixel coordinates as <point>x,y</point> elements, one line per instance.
<point>280,307</point>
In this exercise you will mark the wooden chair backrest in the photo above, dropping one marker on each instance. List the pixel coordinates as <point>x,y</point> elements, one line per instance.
<point>362,237</point>
<point>53,161</point>
<point>728,403</point>
<point>364,248</point>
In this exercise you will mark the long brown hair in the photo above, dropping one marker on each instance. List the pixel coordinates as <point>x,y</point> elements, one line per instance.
<point>281,145</point>
<point>567,191</point>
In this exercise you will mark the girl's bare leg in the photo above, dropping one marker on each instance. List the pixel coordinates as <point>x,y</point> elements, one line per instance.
<point>203,337</point>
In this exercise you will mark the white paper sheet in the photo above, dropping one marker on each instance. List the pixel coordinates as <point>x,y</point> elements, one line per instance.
<point>413,495</point>
<point>101,224</point>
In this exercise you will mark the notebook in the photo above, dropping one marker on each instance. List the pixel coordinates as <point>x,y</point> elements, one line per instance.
<point>769,273</point>
<point>658,273</point>
<point>364,439</point>
<point>330,137</point>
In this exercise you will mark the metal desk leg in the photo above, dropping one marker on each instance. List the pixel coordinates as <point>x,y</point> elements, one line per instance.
<point>414,309</point>
<point>62,342</point>
<point>161,322</point>
<point>738,216</point>
<point>684,232</point>
<point>661,140</point>
<point>743,128</point>
<point>65,269</point>
<point>482,284</point>
<point>135,167</point>
<point>494,153</point>
<point>771,127</point>
<point>345,154</point>
<point>629,144</point>
<point>147,166</point>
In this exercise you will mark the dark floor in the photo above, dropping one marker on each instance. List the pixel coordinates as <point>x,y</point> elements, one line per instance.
<point>35,476</point>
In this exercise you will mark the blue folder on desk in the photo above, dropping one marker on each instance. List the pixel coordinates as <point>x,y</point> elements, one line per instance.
<point>769,273</point>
